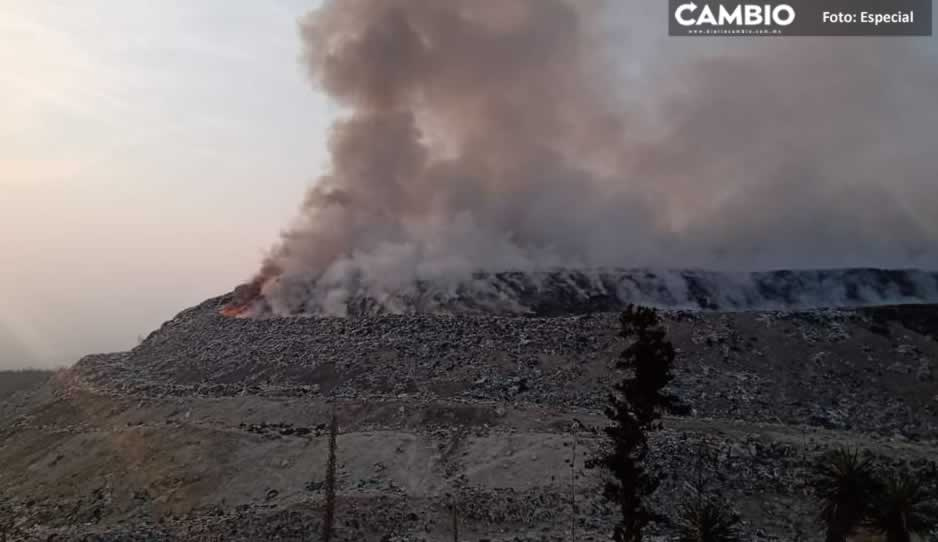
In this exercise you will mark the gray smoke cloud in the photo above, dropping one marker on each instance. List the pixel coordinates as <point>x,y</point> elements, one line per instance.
<point>535,134</point>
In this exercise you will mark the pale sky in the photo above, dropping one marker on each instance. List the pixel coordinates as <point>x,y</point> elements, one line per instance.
<point>150,151</point>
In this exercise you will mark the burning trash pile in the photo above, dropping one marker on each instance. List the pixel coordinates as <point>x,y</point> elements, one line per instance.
<point>480,142</point>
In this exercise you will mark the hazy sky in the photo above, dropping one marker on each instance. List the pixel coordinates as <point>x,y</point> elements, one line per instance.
<point>150,151</point>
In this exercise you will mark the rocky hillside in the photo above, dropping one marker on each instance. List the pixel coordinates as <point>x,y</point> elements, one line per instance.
<point>214,428</point>
<point>757,366</point>
<point>12,382</point>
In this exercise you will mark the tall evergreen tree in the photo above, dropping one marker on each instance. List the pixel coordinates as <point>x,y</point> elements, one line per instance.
<point>635,408</point>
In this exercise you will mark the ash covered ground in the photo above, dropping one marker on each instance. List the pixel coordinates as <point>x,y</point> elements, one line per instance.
<point>214,427</point>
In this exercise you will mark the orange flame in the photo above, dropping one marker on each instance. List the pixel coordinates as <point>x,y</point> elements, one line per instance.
<point>234,311</point>
<point>243,299</point>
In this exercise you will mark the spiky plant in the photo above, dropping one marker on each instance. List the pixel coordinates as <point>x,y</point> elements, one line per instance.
<point>904,505</point>
<point>845,485</point>
<point>706,519</point>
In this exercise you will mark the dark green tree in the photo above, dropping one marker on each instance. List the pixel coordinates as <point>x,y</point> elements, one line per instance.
<point>635,408</point>
<point>846,486</point>
<point>905,504</point>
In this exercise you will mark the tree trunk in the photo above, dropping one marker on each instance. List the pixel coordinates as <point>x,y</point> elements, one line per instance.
<point>455,523</point>
<point>329,514</point>
<point>573,489</point>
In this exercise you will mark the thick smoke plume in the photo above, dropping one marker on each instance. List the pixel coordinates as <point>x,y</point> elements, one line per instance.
<point>536,134</point>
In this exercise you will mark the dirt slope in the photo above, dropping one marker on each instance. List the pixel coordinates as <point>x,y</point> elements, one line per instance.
<point>213,429</point>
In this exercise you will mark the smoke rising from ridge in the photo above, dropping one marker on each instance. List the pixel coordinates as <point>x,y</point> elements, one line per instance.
<point>525,135</point>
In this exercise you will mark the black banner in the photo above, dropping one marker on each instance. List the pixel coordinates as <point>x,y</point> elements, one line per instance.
<point>801,18</point>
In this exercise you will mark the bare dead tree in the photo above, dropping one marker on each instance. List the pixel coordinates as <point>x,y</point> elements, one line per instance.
<point>329,513</point>
<point>703,515</point>
<point>455,498</point>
